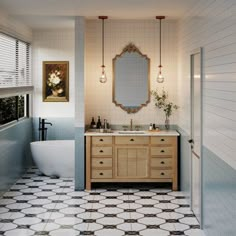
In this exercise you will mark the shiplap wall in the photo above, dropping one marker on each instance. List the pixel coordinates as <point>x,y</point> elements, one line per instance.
<point>212,25</point>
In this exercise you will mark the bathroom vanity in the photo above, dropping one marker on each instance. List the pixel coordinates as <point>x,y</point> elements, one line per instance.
<point>132,157</point>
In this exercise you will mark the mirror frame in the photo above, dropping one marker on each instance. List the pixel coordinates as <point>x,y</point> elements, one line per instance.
<point>130,48</point>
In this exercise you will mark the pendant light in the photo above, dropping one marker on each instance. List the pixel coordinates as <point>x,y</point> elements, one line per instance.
<point>103,77</point>
<point>160,78</point>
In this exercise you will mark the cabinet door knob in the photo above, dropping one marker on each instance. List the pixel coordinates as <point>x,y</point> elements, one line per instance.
<point>101,140</point>
<point>162,150</point>
<point>131,139</point>
<point>162,162</point>
<point>162,173</point>
<point>162,140</point>
<point>101,173</point>
<point>101,162</point>
<point>101,151</point>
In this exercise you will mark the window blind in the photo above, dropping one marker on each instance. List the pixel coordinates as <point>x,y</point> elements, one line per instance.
<point>15,71</point>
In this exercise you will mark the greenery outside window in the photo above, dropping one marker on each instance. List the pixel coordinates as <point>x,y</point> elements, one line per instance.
<point>13,108</point>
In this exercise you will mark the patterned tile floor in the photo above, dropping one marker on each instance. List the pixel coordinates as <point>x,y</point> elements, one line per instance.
<point>39,205</point>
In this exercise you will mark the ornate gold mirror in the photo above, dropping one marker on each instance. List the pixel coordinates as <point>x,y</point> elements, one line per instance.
<point>131,79</point>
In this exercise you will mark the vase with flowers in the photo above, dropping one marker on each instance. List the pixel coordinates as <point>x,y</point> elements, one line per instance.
<point>55,83</point>
<point>162,102</point>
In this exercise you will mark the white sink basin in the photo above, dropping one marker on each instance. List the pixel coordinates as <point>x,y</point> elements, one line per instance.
<point>131,132</point>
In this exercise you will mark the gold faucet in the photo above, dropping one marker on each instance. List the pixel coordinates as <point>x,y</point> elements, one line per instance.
<point>131,124</point>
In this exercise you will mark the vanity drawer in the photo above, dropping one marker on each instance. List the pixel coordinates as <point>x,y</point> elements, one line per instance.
<point>101,140</point>
<point>162,174</point>
<point>131,140</point>
<point>161,151</point>
<point>101,174</point>
<point>161,162</point>
<point>101,151</point>
<point>162,140</point>
<point>101,162</point>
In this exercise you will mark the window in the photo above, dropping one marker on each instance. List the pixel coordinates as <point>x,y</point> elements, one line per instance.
<point>15,79</point>
<point>14,62</point>
<point>13,108</point>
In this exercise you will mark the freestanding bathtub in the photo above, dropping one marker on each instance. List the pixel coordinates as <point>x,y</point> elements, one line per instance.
<point>54,158</point>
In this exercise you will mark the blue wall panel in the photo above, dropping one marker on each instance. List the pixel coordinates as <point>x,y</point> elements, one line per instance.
<point>219,196</point>
<point>79,159</point>
<point>62,128</point>
<point>219,189</point>
<point>14,152</point>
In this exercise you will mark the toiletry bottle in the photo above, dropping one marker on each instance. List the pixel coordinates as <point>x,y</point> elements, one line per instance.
<point>153,126</point>
<point>150,127</point>
<point>93,124</point>
<point>105,124</point>
<point>99,124</point>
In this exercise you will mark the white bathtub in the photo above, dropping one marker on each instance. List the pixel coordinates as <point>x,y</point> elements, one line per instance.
<point>54,158</point>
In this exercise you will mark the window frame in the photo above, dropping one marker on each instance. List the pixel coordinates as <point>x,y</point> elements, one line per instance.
<point>17,114</point>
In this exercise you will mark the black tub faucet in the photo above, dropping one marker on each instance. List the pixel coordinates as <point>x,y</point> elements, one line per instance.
<point>43,129</point>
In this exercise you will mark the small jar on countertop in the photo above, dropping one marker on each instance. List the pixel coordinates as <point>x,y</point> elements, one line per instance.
<point>150,127</point>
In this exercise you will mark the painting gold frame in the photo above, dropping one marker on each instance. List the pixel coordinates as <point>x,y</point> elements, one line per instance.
<point>55,81</point>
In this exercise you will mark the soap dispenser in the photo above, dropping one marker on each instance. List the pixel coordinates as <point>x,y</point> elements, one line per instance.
<point>150,126</point>
<point>99,124</point>
<point>93,124</point>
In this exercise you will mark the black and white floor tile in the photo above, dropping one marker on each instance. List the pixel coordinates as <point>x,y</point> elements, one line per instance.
<point>39,205</point>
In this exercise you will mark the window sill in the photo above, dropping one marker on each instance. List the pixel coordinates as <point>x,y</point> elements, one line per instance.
<point>13,123</point>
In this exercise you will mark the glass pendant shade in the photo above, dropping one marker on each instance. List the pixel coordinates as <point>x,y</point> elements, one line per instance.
<point>103,77</point>
<point>160,78</point>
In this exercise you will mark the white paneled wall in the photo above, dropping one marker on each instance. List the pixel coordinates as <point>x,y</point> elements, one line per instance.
<point>212,25</point>
<point>53,45</point>
<point>118,33</point>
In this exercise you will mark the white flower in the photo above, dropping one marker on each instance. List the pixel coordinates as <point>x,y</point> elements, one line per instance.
<point>54,79</point>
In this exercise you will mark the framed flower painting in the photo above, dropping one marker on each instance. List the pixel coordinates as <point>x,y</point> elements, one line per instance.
<point>55,81</point>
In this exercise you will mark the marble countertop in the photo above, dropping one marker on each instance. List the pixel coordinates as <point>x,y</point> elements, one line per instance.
<point>134,133</point>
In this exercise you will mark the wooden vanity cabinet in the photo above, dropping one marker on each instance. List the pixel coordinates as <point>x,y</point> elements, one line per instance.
<point>100,152</point>
<point>164,159</point>
<point>131,162</point>
<point>131,159</point>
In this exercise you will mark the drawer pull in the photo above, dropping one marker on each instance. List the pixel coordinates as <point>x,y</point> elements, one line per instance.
<point>162,140</point>
<point>101,151</point>
<point>101,140</point>
<point>162,151</point>
<point>101,162</point>
<point>101,173</point>
<point>162,173</point>
<point>162,162</point>
<point>131,140</point>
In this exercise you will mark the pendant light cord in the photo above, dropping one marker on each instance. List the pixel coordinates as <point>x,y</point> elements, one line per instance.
<point>103,43</point>
<point>160,78</point>
<point>160,46</point>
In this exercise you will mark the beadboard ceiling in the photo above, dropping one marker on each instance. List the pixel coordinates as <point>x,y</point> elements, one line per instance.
<point>49,13</point>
